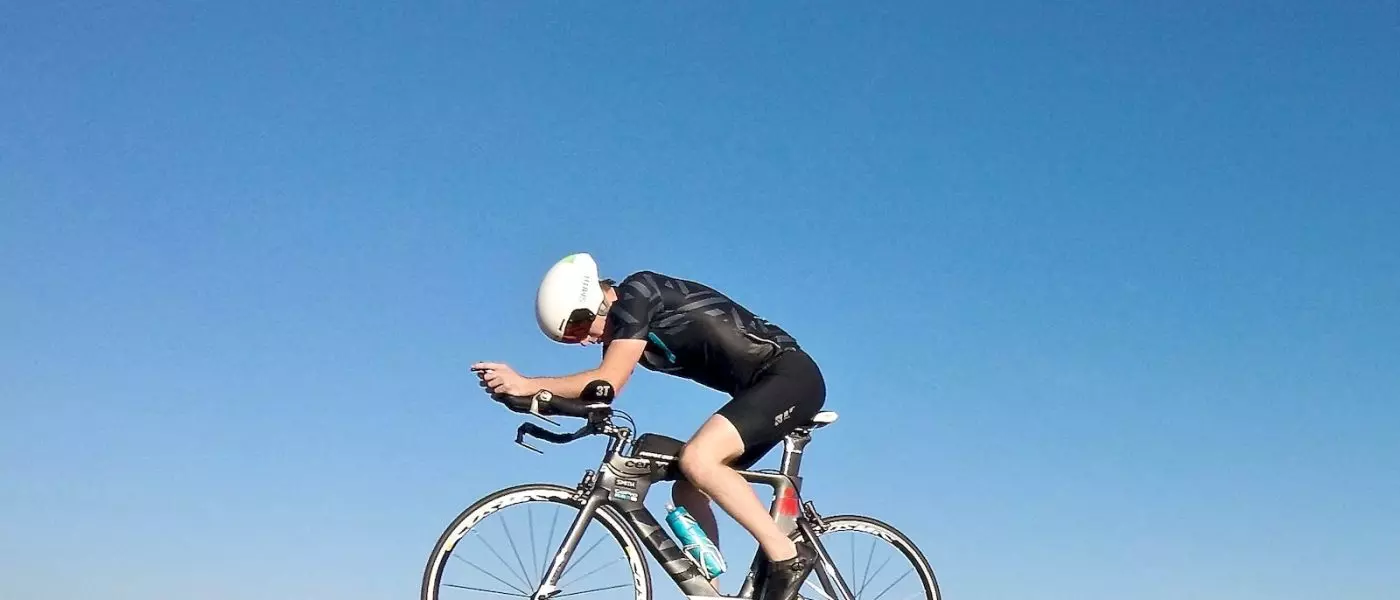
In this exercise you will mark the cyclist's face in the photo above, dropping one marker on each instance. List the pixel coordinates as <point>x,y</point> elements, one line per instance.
<point>595,333</point>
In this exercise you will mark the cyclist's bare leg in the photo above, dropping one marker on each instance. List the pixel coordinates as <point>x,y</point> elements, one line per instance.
<point>703,463</point>
<point>683,493</point>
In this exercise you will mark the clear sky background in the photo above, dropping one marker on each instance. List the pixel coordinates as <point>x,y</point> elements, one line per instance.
<point>1107,294</point>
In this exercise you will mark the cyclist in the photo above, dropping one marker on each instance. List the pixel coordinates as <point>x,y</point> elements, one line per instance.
<point>689,330</point>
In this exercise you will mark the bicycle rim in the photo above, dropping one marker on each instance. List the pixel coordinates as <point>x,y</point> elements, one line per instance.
<point>500,547</point>
<point>875,560</point>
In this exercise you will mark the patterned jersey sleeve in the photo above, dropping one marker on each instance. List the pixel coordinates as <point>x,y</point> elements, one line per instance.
<point>638,300</point>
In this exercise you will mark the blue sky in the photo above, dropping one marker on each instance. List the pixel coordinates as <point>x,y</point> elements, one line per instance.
<point>1108,296</point>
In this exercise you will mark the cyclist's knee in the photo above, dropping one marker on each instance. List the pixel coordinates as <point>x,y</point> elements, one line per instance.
<point>697,461</point>
<point>694,465</point>
<point>716,443</point>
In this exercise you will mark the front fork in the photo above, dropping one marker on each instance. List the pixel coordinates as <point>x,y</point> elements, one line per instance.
<point>832,581</point>
<point>549,583</point>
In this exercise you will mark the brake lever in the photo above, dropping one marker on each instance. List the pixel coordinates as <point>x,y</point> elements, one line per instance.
<point>520,439</point>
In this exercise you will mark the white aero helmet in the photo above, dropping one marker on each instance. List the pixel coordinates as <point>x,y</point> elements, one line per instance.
<point>569,299</point>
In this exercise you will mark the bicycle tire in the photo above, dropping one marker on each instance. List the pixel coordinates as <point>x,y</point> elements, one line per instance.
<point>885,531</point>
<point>535,492</point>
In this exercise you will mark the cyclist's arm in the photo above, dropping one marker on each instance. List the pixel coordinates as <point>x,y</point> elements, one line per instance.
<point>618,362</point>
<point>625,336</point>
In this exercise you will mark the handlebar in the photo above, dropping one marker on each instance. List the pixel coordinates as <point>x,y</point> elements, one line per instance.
<point>545,403</point>
<point>595,406</point>
<point>534,430</point>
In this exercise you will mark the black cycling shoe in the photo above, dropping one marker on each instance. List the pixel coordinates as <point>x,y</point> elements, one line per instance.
<point>785,577</point>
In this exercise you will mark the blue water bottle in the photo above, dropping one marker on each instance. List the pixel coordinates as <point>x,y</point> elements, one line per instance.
<point>694,542</point>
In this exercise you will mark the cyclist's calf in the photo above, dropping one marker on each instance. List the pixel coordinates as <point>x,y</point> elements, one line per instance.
<point>684,493</point>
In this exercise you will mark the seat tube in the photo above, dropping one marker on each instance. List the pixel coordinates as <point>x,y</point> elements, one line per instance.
<point>788,488</point>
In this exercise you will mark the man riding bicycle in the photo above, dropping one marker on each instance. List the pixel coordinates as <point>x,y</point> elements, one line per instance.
<point>688,330</point>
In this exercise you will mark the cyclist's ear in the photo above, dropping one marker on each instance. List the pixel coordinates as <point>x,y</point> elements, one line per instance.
<point>598,390</point>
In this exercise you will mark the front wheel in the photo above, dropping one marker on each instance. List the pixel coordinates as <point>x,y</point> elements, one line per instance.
<point>502,545</point>
<point>874,560</point>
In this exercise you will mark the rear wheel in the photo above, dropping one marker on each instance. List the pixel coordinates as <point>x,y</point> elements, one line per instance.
<point>875,561</point>
<point>501,546</point>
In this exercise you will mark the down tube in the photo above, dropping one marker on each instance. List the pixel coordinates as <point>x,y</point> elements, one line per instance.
<point>679,566</point>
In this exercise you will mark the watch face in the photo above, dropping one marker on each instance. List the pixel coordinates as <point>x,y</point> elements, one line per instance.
<point>545,395</point>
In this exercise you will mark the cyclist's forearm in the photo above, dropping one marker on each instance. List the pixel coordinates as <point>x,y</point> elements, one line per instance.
<point>570,386</point>
<point>618,361</point>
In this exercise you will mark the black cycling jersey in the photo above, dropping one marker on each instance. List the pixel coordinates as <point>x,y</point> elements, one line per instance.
<point>694,331</point>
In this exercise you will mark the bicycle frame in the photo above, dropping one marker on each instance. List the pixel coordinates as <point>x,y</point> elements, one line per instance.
<point>622,482</point>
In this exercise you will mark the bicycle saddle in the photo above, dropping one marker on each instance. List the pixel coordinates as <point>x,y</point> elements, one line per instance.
<point>822,419</point>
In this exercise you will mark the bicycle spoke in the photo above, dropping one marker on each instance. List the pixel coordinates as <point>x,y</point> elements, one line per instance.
<point>523,579</point>
<point>582,569</point>
<point>606,564</point>
<point>574,562</point>
<point>476,589</point>
<point>488,574</point>
<point>892,584</point>
<point>853,555</point>
<point>869,558</point>
<point>513,548</point>
<point>611,587</point>
<point>549,543</point>
<point>530,518</point>
<point>872,576</point>
<point>818,589</point>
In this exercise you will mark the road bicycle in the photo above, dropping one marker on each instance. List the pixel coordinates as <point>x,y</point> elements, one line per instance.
<point>608,501</point>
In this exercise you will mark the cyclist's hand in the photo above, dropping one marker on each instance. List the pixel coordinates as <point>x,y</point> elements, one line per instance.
<point>499,378</point>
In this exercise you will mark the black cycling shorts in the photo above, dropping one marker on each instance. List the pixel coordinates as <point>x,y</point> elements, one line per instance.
<point>787,394</point>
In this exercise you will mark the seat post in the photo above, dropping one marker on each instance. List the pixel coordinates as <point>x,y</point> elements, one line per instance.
<point>793,445</point>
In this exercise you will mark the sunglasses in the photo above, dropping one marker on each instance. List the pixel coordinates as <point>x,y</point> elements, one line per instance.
<point>577,326</point>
